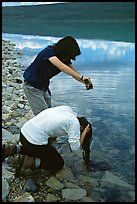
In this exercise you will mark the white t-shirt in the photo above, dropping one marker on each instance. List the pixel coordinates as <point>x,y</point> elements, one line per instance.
<point>53,122</point>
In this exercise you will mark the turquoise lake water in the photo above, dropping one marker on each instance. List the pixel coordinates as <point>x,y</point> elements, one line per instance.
<point>110,106</point>
<point>91,20</point>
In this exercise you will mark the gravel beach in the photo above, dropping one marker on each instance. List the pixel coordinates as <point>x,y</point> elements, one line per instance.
<point>73,183</point>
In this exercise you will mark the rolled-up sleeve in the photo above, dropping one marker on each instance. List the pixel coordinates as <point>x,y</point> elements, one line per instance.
<point>74,136</point>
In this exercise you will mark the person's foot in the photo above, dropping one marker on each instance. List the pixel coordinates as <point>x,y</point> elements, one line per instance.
<point>52,140</point>
<point>24,163</point>
<point>28,163</point>
<point>8,150</point>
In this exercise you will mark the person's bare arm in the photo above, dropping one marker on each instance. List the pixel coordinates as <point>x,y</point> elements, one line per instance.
<point>84,132</point>
<point>67,69</point>
<point>71,66</point>
<point>89,81</point>
<point>63,67</point>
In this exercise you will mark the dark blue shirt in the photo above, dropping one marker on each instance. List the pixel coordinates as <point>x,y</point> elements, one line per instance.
<point>41,70</point>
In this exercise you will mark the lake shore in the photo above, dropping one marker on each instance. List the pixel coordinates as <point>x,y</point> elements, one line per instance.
<point>42,185</point>
<point>73,183</point>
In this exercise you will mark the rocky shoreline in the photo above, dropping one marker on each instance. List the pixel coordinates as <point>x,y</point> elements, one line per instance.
<point>73,183</point>
<point>33,186</point>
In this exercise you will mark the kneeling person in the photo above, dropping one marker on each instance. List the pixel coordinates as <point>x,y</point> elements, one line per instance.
<point>37,134</point>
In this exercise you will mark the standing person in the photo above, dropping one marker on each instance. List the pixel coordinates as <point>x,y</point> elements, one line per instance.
<point>37,134</point>
<point>48,63</point>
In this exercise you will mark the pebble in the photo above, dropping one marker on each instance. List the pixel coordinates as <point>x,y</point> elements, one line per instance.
<point>25,197</point>
<point>30,186</point>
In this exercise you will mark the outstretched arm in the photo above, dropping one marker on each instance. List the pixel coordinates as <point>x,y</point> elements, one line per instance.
<point>83,81</point>
<point>83,134</point>
<point>68,70</point>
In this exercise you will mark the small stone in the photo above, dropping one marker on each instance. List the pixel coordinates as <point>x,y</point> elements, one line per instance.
<point>74,194</point>
<point>51,198</point>
<point>30,186</point>
<point>5,188</point>
<point>26,197</point>
<point>53,183</point>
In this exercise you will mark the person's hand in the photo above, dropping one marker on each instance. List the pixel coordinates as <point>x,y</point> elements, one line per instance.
<point>87,81</point>
<point>89,86</point>
<point>84,132</point>
<point>87,128</point>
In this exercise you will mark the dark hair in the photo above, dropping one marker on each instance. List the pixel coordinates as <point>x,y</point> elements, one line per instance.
<point>67,47</point>
<point>83,121</point>
<point>87,140</point>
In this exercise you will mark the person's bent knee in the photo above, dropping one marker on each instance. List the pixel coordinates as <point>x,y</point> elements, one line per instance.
<point>59,165</point>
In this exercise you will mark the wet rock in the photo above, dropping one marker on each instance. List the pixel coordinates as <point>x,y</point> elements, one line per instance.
<point>110,179</point>
<point>30,186</point>
<point>20,105</point>
<point>88,179</point>
<point>5,188</point>
<point>71,185</point>
<point>65,149</point>
<point>99,166</point>
<point>52,198</point>
<point>6,171</point>
<point>5,116</point>
<point>65,174</point>
<point>14,129</point>
<point>53,183</point>
<point>110,193</point>
<point>73,194</point>
<point>87,199</point>
<point>6,135</point>
<point>26,197</point>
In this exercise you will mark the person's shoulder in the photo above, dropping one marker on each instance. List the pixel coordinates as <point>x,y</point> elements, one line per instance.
<point>67,111</point>
<point>50,48</point>
<point>48,51</point>
<point>64,107</point>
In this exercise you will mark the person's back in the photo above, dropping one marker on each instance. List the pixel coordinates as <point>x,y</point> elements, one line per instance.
<point>41,69</point>
<point>57,121</point>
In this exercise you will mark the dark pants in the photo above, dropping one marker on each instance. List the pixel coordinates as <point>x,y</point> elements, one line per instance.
<point>50,158</point>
